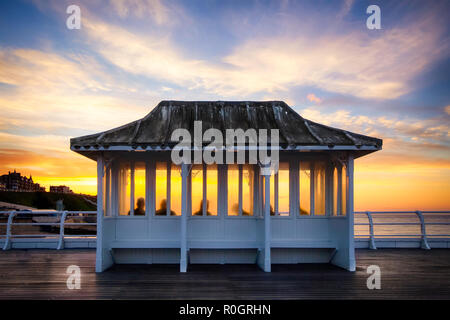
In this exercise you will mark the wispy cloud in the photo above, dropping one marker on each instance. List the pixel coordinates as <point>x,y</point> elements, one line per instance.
<point>130,54</point>
<point>356,63</point>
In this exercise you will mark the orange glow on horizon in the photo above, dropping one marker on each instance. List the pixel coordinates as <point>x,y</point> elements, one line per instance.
<point>381,182</point>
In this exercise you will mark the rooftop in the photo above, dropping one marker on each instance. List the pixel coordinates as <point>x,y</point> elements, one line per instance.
<point>155,129</point>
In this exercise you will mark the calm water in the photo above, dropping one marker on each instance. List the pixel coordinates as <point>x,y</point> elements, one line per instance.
<point>405,230</point>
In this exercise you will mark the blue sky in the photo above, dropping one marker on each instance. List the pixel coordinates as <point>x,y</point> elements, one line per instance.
<point>318,56</point>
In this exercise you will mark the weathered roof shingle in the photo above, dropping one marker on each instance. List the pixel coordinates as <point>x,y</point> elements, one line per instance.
<point>156,128</point>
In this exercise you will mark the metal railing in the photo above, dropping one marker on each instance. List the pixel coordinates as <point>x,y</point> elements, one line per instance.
<point>59,220</point>
<point>421,218</point>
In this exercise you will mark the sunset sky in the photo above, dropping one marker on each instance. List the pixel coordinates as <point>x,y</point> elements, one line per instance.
<point>318,56</point>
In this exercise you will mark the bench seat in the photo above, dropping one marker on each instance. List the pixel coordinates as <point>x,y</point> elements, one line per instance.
<point>221,244</point>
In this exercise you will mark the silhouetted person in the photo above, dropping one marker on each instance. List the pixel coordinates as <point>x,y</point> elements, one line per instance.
<point>236,209</point>
<point>200,211</point>
<point>140,207</point>
<point>303,212</point>
<point>162,211</point>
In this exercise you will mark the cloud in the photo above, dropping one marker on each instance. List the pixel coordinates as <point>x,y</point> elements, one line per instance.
<point>406,142</point>
<point>353,63</point>
<point>313,98</point>
<point>154,9</point>
<point>50,164</point>
<point>345,9</point>
<point>102,81</point>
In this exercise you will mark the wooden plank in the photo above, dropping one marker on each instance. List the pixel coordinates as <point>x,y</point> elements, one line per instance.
<point>405,274</point>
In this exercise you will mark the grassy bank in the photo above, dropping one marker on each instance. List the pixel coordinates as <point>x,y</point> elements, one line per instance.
<point>47,200</point>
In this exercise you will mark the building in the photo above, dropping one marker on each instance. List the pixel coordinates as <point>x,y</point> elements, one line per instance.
<point>2,186</point>
<point>14,181</point>
<point>60,189</point>
<point>153,210</point>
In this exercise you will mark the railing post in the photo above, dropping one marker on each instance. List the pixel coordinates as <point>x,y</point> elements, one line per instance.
<point>372,237</point>
<point>61,231</point>
<point>424,241</point>
<point>7,244</point>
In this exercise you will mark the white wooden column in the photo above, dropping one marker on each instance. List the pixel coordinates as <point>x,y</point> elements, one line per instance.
<point>184,213</point>
<point>350,198</point>
<point>329,205</point>
<point>264,260</point>
<point>267,225</point>
<point>132,185</point>
<point>99,250</point>
<point>339,190</point>
<point>312,206</point>
<point>107,194</point>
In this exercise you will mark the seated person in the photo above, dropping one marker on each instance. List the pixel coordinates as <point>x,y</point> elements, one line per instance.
<point>236,210</point>
<point>162,211</point>
<point>303,212</point>
<point>140,209</point>
<point>200,211</point>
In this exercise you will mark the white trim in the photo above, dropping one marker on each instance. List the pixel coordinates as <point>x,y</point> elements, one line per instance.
<point>224,148</point>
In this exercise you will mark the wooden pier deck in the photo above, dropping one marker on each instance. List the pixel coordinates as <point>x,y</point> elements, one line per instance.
<point>405,274</point>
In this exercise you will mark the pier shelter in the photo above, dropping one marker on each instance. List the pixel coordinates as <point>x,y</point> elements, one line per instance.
<point>153,210</point>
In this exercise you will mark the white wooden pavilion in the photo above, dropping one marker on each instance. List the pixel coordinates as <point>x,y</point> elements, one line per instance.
<point>153,211</point>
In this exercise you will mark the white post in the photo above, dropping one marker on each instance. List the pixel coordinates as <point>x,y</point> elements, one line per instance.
<point>371,232</point>
<point>339,190</point>
<point>7,244</point>
<point>168,187</point>
<point>423,242</point>
<point>132,188</point>
<point>350,214</point>
<point>267,233</point>
<point>240,189</point>
<point>99,253</point>
<point>328,194</point>
<point>108,191</point>
<point>183,245</point>
<point>312,205</point>
<point>205,190</point>
<point>61,231</point>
